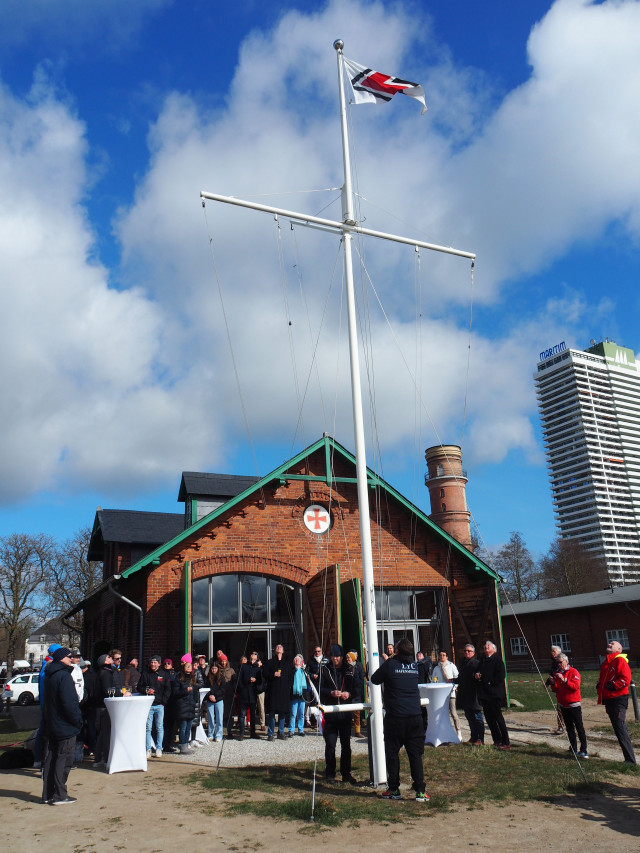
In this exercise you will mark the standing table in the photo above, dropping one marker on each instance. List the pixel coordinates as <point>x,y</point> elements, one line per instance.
<point>128,749</point>
<point>440,729</point>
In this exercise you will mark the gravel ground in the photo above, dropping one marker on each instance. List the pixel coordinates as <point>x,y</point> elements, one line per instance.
<point>236,753</point>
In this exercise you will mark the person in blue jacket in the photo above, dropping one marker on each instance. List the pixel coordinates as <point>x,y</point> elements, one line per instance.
<point>37,743</point>
<point>62,719</point>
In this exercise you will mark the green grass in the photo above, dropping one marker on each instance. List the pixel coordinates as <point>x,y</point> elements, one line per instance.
<point>9,733</point>
<point>529,690</point>
<point>455,776</point>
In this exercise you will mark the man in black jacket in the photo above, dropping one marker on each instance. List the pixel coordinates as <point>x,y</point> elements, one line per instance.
<point>490,679</point>
<point>403,719</point>
<point>338,686</point>
<point>467,694</point>
<point>155,682</point>
<point>62,722</point>
<point>249,682</point>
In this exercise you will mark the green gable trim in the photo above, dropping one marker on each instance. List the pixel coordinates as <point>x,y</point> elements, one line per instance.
<point>329,445</point>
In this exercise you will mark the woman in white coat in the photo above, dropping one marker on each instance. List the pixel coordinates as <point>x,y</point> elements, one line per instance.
<point>444,672</point>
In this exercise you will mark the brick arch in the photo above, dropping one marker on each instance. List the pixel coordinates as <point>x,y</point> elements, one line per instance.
<point>248,564</point>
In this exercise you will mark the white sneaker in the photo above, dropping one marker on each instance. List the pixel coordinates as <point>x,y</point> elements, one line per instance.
<point>149,753</point>
<point>195,744</point>
<point>158,753</point>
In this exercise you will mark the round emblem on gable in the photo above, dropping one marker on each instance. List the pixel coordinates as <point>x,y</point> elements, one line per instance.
<point>317,519</point>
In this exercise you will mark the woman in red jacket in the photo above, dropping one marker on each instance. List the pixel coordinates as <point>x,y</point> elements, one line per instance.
<point>566,686</point>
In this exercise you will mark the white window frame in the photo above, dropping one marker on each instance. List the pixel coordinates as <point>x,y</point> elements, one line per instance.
<point>561,640</point>
<point>620,635</point>
<point>518,646</point>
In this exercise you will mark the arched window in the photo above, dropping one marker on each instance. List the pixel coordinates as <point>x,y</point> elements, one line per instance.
<point>240,613</point>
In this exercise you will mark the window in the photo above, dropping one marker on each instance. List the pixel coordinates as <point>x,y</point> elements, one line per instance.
<point>246,599</point>
<point>561,640</point>
<point>405,604</point>
<point>441,493</point>
<point>518,646</point>
<point>620,635</point>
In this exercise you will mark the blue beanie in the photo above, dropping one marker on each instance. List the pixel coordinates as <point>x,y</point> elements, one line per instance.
<point>53,647</point>
<point>336,651</point>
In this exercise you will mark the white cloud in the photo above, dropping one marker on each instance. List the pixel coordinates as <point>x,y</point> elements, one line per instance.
<point>137,383</point>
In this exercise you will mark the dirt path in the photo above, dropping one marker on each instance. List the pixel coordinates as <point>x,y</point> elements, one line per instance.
<point>159,811</point>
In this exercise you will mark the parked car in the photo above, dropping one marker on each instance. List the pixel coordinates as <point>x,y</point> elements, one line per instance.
<point>22,689</point>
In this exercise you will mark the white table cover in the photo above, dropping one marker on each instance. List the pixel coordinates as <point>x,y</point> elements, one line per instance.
<point>201,735</point>
<point>128,749</point>
<point>440,729</point>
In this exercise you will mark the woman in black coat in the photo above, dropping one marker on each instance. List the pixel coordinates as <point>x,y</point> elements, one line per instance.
<point>184,701</point>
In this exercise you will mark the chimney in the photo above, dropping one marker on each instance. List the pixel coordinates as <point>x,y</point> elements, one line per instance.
<point>446,481</point>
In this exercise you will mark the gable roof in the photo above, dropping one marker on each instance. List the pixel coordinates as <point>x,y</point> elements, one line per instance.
<point>331,448</point>
<point>133,527</point>
<point>213,485</point>
<point>613,595</point>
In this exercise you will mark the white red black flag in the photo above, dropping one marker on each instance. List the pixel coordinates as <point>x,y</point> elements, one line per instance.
<point>372,87</point>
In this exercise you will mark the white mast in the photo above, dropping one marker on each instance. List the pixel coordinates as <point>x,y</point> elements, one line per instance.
<point>347,228</point>
<point>368,581</point>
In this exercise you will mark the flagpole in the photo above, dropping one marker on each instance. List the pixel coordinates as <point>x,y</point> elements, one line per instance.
<point>368,581</point>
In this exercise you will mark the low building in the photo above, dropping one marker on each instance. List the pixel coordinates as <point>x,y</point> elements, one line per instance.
<point>581,625</point>
<point>252,562</point>
<point>37,643</point>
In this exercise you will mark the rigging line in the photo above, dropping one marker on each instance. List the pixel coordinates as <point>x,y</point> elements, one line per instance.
<point>231,350</point>
<point>294,192</point>
<point>269,525</point>
<point>412,225</point>
<point>327,205</point>
<point>292,351</point>
<point>466,384</point>
<point>404,360</point>
<point>535,662</point>
<point>505,592</point>
<point>314,358</point>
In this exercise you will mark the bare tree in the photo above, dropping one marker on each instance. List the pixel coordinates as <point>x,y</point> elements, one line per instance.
<point>569,569</point>
<point>73,577</point>
<point>515,565</point>
<point>25,565</point>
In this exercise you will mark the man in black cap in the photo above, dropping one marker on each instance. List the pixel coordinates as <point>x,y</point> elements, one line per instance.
<point>338,685</point>
<point>62,723</point>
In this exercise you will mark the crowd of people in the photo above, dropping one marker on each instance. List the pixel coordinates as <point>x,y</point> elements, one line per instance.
<point>279,697</point>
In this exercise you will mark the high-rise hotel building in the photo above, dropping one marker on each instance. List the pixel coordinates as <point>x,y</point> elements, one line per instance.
<point>590,409</point>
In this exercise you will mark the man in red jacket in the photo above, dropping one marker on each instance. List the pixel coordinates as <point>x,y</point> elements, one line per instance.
<point>613,693</point>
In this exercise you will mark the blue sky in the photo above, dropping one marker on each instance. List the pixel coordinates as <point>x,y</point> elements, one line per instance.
<point>118,373</point>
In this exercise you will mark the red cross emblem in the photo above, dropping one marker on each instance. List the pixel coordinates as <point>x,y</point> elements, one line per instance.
<point>316,519</point>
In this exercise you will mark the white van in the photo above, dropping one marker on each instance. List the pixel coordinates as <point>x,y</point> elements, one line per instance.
<point>17,664</point>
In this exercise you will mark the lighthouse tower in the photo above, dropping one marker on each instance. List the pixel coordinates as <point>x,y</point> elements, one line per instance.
<point>446,481</point>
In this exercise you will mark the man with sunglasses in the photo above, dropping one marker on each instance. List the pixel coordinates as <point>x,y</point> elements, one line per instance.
<point>467,696</point>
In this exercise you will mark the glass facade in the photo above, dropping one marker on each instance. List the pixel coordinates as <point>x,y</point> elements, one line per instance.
<point>240,613</point>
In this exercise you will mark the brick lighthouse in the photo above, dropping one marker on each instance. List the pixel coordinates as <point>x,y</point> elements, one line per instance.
<point>446,481</point>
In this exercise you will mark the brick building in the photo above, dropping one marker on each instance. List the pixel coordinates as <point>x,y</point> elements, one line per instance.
<point>253,562</point>
<point>581,625</point>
